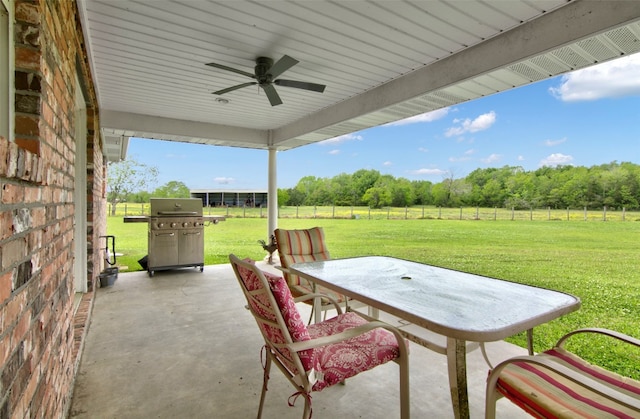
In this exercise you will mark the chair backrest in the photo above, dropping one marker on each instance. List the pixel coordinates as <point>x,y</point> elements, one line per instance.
<point>295,246</point>
<point>271,303</point>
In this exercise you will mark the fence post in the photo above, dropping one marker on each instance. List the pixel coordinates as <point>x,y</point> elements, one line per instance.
<point>568,218</point>
<point>461,213</point>
<point>352,211</point>
<point>406,212</point>
<point>624,210</point>
<point>439,213</point>
<point>297,209</point>
<point>125,210</point>
<point>495,213</point>
<point>477,212</point>
<point>531,214</point>
<point>369,212</point>
<point>548,213</point>
<point>314,211</point>
<point>585,213</point>
<point>388,211</point>
<point>604,213</point>
<point>227,210</point>
<point>512,213</point>
<point>333,212</point>
<point>422,210</point>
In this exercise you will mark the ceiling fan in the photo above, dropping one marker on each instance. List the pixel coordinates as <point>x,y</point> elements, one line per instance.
<point>265,73</point>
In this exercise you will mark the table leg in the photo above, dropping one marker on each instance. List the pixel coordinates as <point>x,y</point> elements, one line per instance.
<point>317,310</point>
<point>457,365</point>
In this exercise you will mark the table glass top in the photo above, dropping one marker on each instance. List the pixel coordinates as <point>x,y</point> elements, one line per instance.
<point>453,303</point>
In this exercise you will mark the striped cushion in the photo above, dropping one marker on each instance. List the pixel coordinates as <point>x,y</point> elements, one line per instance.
<point>307,245</point>
<point>544,393</point>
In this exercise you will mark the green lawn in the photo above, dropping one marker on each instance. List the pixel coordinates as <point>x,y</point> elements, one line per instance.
<point>595,260</point>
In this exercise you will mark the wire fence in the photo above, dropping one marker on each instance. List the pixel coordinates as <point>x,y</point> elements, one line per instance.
<point>407,213</point>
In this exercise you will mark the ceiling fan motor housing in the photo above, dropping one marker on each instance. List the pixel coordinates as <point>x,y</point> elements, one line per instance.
<point>263,64</point>
<point>264,73</point>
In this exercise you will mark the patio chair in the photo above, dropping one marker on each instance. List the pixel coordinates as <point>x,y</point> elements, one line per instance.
<point>307,245</point>
<point>559,384</point>
<point>322,354</point>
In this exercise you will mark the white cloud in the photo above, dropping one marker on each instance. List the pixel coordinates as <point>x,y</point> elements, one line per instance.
<point>481,123</point>
<point>224,180</point>
<point>387,163</point>
<point>428,172</point>
<point>467,156</point>
<point>492,158</point>
<point>551,143</point>
<point>521,158</point>
<point>614,78</point>
<point>423,150</point>
<point>342,139</point>
<point>424,117</point>
<point>334,152</point>
<point>556,159</point>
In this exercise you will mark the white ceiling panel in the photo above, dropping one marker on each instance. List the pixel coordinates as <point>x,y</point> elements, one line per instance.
<point>381,60</point>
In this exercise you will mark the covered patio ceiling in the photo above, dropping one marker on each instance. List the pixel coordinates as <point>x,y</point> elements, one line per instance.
<point>381,61</point>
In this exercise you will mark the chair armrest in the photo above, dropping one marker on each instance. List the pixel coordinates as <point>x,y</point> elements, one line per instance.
<point>348,334</point>
<point>283,269</point>
<point>311,296</point>
<point>568,373</point>
<point>611,333</point>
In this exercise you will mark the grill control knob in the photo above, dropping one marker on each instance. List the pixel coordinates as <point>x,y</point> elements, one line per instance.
<point>160,225</point>
<point>185,224</point>
<point>173,225</point>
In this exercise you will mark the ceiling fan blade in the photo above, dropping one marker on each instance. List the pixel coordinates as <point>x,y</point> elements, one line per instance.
<point>282,65</point>
<point>271,93</point>
<point>224,67</point>
<point>239,86</point>
<point>301,85</point>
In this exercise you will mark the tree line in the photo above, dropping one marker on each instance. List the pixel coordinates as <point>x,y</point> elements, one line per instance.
<point>613,185</point>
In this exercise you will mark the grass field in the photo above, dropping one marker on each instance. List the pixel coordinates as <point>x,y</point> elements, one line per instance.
<point>596,261</point>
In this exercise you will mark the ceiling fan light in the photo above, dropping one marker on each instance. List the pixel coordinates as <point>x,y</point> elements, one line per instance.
<point>222,101</point>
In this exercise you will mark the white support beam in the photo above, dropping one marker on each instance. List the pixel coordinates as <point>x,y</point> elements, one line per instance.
<point>272,211</point>
<point>174,129</point>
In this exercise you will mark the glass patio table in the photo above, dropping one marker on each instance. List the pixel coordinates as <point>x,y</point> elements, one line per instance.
<point>461,306</point>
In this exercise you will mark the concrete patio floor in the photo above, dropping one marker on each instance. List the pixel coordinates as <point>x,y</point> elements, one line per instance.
<point>181,345</point>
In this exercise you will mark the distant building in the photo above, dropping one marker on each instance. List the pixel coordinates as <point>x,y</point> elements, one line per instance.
<point>231,198</point>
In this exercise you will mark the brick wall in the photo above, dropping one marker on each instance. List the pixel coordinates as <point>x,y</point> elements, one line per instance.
<point>37,358</point>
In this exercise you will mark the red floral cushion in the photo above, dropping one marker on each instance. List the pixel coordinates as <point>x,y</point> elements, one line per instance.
<point>339,361</point>
<point>295,325</point>
<point>292,318</point>
<point>326,365</point>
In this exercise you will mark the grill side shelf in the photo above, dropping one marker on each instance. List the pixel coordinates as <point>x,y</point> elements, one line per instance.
<point>136,219</point>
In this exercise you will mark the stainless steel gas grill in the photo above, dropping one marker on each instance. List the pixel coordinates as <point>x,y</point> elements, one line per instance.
<point>176,233</point>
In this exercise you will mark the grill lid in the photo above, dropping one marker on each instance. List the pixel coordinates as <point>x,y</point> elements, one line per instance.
<point>176,207</point>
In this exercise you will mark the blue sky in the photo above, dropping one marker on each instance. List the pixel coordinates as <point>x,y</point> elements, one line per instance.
<point>585,118</point>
